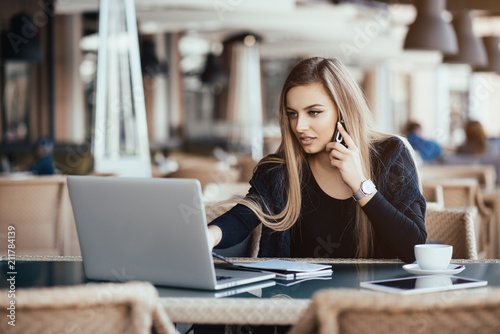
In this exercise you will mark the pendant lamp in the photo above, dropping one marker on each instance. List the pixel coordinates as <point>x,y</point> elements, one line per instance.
<point>492,45</point>
<point>430,31</point>
<point>471,49</point>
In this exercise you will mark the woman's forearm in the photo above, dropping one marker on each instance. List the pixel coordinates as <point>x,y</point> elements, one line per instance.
<point>398,231</point>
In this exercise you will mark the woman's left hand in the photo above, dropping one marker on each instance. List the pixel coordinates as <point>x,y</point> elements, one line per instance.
<point>347,160</point>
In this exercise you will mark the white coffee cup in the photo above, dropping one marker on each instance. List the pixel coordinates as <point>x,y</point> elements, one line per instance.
<point>433,256</point>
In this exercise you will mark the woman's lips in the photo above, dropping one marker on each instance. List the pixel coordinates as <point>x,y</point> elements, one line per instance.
<point>306,140</point>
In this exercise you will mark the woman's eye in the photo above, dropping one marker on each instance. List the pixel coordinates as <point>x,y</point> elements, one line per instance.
<point>290,114</point>
<point>314,112</point>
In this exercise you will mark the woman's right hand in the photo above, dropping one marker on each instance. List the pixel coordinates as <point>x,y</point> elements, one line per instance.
<point>214,235</point>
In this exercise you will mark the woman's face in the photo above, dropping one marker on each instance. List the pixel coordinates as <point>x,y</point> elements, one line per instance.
<point>312,116</point>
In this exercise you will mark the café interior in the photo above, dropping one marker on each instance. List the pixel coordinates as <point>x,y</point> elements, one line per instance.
<point>190,89</point>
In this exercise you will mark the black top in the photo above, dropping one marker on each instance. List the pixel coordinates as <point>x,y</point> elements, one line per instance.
<point>326,224</point>
<point>396,211</point>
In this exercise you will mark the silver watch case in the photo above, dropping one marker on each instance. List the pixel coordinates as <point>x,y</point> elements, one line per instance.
<point>367,188</point>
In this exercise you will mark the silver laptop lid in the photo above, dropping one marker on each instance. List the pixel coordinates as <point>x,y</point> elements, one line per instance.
<point>144,229</point>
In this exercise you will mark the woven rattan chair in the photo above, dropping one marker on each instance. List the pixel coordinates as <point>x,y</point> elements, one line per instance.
<point>454,227</point>
<point>492,201</point>
<point>40,211</point>
<point>459,193</point>
<point>248,247</point>
<point>434,195</point>
<point>93,308</point>
<point>456,192</point>
<point>343,311</point>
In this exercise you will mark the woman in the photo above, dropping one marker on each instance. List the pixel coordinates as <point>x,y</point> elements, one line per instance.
<point>303,194</point>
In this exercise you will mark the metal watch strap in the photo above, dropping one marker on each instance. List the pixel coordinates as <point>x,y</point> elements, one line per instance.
<point>360,193</point>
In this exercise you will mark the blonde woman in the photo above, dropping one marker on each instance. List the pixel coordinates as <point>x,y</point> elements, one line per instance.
<point>321,198</point>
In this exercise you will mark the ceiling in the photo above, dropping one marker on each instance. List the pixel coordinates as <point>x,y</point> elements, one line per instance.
<point>355,30</point>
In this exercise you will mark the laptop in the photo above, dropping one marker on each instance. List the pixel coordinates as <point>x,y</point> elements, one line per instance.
<point>148,229</point>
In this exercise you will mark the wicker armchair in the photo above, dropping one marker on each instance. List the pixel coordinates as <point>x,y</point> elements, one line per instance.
<point>459,193</point>
<point>434,195</point>
<point>342,311</point>
<point>39,209</point>
<point>93,308</point>
<point>248,247</point>
<point>454,227</point>
<point>492,201</point>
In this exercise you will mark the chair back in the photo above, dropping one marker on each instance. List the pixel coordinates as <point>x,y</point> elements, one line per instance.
<point>454,227</point>
<point>464,192</point>
<point>132,307</point>
<point>434,195</point>
<point>456,192</point>
<point>347,311</point>
<point>37,209</point>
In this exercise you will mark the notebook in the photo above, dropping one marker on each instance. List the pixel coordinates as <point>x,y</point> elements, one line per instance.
<point>148,229</point>
<point>289,270</point>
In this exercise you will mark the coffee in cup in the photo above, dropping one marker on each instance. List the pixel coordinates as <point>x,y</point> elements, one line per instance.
<point>433,256</point>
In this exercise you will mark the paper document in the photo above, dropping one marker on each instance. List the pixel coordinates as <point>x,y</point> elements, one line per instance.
<point>300,280</point>
<point>285,265</point>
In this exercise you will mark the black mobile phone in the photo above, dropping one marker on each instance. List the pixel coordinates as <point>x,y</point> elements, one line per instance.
<point>337,137</point>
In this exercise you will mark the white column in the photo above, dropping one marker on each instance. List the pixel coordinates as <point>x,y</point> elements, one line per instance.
<point>439,124</point>
<point>245,99</point>
<point>377,93</point>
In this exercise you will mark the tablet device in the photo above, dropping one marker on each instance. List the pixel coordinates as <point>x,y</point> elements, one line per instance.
<point>421,284</point>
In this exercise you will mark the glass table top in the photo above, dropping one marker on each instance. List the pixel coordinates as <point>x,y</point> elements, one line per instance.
<point>345,275</point>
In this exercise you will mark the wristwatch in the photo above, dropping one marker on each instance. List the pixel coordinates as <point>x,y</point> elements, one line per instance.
<point>367,188</point>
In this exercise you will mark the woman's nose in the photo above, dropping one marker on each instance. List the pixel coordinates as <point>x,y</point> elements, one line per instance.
<point>302,124</point>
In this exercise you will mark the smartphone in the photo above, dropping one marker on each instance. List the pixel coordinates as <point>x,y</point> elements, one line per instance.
<point>337,137</point>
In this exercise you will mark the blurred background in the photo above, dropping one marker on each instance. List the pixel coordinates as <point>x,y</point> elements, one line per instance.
<point>190,88</point>
<point>211,73</point>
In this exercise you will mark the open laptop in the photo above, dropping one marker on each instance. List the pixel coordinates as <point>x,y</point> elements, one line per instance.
<point>148,229</point>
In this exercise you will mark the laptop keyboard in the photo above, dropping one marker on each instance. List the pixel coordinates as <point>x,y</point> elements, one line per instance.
<point>221,278</point>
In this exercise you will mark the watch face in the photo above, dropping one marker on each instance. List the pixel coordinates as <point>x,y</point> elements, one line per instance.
<point>368,187</point>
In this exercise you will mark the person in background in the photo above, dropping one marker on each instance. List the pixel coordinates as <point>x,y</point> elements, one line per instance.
<point>477,149</point>
<point>476,141</point>
<point>358,197</point>
<point>44,165</point>
<point>428,149</point>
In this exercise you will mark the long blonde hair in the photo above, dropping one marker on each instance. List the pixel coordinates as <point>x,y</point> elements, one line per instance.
<point>352,106</point>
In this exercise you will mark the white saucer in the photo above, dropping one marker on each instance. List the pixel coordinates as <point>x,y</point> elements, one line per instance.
<point>452,269</point>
